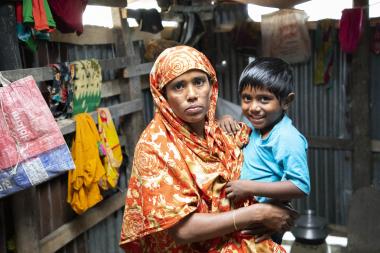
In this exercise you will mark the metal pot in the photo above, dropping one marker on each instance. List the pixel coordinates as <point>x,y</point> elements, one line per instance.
<point>310,229</point>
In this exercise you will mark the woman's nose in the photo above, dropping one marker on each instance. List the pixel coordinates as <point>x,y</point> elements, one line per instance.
<point>192,93</point>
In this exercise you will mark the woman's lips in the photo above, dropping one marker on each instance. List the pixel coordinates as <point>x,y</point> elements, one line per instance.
<point>194,109</point>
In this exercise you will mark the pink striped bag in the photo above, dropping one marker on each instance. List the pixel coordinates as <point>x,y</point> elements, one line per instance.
<point>32,148</point>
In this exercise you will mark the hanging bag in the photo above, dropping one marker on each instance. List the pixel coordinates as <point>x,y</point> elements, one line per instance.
<point>285,35</point>
<point>32,148</point>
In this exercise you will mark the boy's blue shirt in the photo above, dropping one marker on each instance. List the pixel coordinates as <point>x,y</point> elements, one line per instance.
<point>280,156</point>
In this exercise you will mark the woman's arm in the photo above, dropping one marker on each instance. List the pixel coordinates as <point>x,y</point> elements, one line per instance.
<point>204,226</point>
<point>282,190</point>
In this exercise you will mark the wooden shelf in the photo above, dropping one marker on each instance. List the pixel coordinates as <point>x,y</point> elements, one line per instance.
<point>47,73</point>
<point>68,125</point>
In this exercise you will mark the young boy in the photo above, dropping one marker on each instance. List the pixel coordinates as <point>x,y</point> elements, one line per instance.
<point>275,164</point>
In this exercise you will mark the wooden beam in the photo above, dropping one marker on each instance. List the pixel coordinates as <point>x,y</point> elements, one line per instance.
<point>47,73</point>
<point>39,74</point>
<point>281,4</point>
<point>138,70</point>
<point>375,146</point>
<point>358,94</point>
<point>68,125</point>
<point>69,231</point>
<point>92,35</point>
<point>329,143</point>
<point>192,8</point>
<point>109,3</point>
<point>111,88</point>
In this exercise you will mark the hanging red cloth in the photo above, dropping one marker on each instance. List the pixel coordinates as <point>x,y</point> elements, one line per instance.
<point>68,14</point>
<point>37,14</point>
<point>350,29</point>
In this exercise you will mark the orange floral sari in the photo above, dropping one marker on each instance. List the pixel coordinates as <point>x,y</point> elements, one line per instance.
<point>176,173</point>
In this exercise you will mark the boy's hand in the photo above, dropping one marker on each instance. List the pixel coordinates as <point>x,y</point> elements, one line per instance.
<point>229,125</point>
<point>239,190</point>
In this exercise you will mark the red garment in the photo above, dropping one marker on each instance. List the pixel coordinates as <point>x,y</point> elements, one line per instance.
<point>68,14</point>
<point>350,29</point>
<point>40,19</point>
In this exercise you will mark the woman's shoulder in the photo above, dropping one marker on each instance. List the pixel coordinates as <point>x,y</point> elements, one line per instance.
<point>154,137</point>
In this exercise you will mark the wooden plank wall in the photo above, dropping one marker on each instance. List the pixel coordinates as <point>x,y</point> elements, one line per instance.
<point>56,227</point>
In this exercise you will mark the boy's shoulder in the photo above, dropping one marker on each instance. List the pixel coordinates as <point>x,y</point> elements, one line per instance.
<point>288,133</point>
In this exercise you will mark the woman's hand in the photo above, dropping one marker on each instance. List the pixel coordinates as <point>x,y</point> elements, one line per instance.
<point>274,217</point>
<point>239,189</point>
<point>229,125</point>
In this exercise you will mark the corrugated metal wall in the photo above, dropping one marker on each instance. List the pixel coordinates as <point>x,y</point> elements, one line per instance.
<point>318,111</point>
<point>321,111</point>
<point>375,111</point>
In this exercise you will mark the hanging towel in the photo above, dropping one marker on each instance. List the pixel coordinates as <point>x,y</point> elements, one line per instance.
<point>83,188</point>
<point>350,29</point>
<point>68,14</point>
<point>325,39</point>
<point>37,14</point>
<point>110,141</point>
<point>87,81</point>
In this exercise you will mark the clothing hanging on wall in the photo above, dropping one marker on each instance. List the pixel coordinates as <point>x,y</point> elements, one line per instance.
<point>350,29</point>
<point>61,91</point>
<point>87,82</point>
<point>37,14</point>
<point>325,39</point>
<point>111,150</point>
<point>83,189</point>
<point>68,15</point>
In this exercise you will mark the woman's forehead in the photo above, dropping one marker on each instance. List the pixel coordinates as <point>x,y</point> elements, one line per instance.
<point>190,74</point>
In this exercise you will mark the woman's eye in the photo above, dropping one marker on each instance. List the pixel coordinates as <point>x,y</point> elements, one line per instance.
<point>199,81</point>
<point>178,86</point>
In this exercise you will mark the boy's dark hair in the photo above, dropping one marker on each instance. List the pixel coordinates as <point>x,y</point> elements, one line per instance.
<point>270,73</point>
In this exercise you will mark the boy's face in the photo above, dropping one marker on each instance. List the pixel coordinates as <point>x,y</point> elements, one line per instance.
<point>262,108</point>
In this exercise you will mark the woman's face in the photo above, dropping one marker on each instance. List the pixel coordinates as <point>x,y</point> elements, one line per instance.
<point>189,97</point>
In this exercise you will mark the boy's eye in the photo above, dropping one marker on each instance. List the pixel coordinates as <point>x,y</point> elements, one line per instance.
<point>246,99</point>
<point>264,99</point>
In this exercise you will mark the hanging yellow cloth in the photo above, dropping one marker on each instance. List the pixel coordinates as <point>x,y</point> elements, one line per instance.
<point>83,189</point>
<point>112,151</point>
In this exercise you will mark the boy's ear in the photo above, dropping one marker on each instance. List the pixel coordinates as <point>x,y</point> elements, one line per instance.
<point>287,101</point>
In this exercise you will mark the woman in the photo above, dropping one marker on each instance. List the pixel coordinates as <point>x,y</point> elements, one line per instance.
<point>176,200</point>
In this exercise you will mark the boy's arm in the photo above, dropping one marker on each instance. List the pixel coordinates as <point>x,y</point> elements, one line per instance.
<point>283,190</point>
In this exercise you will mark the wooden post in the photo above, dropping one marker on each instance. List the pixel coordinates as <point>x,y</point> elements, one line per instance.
<point>26,224</point>
<point>9,51</point>
<point>24,203</point>
<point>132,125</point>
<point>359,92</point>
<point>3,238</point>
